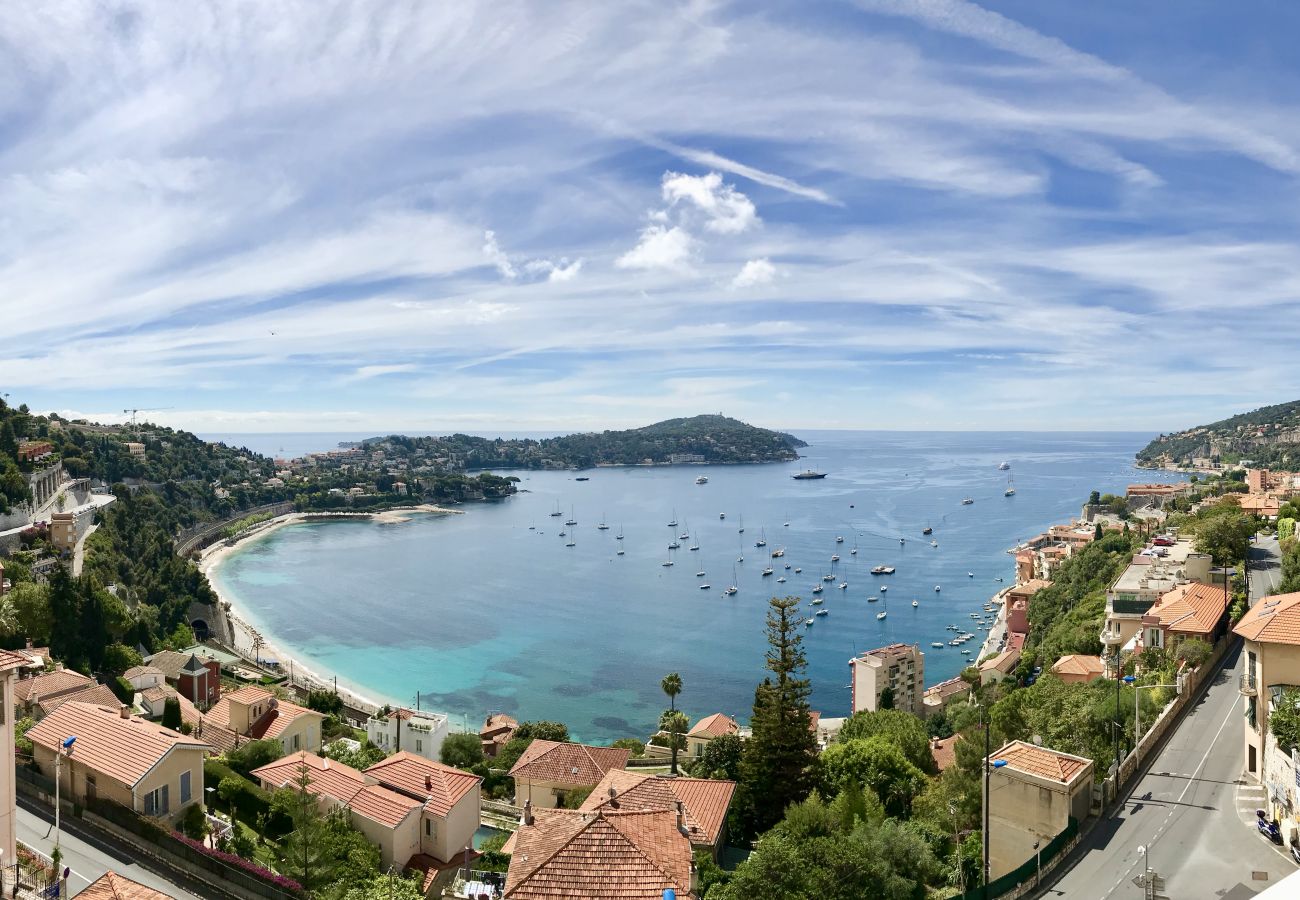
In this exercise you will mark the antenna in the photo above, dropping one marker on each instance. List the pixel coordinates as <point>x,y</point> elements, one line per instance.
<point>135,412</point>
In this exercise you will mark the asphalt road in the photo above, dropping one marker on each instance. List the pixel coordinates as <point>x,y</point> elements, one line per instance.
<point>89,858</point>
<point>1265,567</point>
<point>1193,812</point>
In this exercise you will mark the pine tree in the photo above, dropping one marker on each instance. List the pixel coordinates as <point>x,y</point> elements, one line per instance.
<point>779,765</point>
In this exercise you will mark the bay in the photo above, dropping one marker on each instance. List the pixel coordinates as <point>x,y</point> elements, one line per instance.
<point>478,613</point>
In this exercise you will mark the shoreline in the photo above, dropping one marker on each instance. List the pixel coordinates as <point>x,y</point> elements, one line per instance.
<point>250,643</point>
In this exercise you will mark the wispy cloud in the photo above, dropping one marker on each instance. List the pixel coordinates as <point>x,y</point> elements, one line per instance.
<point>755,271</point>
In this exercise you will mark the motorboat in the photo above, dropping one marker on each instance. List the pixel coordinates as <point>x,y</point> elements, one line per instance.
<point>872,599</point>
<point>705,587</point>
<point>970,574</point>
<point>781,580</point>
<point>937,588</point>
<point>777,554</point>
<point>927,530</point>
<point>937,644</point>
<point>916,603</point>
<point>967,501</point>
<point>881,614</point>
<point>767,571</point>
<point>808,475</point>
<point>817,602</point>
<point>702,479</point>
<point>822,612</point>
<point>817,589</point>
<point>787,566</point>
<point>835,557</point>
<point>807,623</point>
<point>797,570</point>
<point>844,585</point>
<point>934,543</point>
<point>884,588</point>
<point>722,516</point>
<point>839,540</point>
<point>699,574</point>
<point>1004,466</point>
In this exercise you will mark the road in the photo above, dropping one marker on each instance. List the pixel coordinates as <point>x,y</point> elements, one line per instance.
<point>1265,566</point>
<point>1192,810</point>
<point>88,857</point>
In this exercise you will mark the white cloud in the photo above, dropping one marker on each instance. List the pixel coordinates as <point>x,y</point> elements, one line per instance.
<point>756,271</point>
<point>554,271</point>
<point>364,372</point>
<point>495,255</point>
<point>727,211</point>
<point>660,247</point>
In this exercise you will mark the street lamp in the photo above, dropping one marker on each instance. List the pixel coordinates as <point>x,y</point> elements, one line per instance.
<point>65,749</point>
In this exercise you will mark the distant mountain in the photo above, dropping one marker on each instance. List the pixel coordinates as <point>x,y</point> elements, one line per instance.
<point>1268,437</point>
<point>710,439</point>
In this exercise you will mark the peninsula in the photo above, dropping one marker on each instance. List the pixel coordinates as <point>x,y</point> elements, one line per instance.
<point>1268,436</point>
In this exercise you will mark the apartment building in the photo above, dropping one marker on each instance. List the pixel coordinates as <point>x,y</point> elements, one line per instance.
<point>897,666</point>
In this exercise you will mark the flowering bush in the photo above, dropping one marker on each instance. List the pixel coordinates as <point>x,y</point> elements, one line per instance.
<point>239,862</point>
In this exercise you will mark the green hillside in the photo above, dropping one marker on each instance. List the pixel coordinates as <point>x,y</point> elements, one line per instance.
<point>1268,436</point>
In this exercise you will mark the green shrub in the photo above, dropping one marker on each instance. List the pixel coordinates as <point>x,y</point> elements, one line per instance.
<point>194,824</point>
<point>122,689</point>
<point>250,803</point>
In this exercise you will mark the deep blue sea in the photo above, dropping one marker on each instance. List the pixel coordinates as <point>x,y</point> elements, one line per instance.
<point>478,613</point>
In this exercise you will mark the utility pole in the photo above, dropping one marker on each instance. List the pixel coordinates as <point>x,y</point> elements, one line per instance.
<point>987,750</point>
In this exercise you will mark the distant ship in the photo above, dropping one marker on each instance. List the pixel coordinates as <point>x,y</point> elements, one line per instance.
<point>807,475</point>
<point>582,478</point>
<point>1003,466</point>
<point>702,479</point>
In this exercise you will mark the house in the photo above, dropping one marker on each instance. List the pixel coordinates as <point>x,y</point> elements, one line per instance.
<point>29,693</point>
<point>1034,795</point>
<point>938,696</point>
<point>497,730</point>
<point>152,702</point>
<point>112,886</point>
<point>1261,505</point>
<point>706,730</point>
<point>1147,577</point>
<point>899,667</point>
<point>944,751</point>
<point>1076,668</point>
<point>421,733</point>
<point>120,757</point>
<point>451,801</point>
<point>1271,633</point>
<point>255,713</point>
<point>704,802</point>
<point>10,664</point>
<point>389,820</point>
<point>135,448</point>
<point>195,678</point>
<point>548,771</point>
<point>142,677</point>
<point>1191,610</point>
<point>602,855</point>
<point>93,693</point>
<point>999,667</point>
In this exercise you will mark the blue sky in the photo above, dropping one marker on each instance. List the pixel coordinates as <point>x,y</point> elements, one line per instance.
<point>418,216</point>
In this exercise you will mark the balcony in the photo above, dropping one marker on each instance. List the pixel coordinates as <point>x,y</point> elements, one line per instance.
<point>1246,684</point>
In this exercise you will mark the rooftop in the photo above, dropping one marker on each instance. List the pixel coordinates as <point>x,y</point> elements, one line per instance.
<point>48,684</point>
<point>603,855</point>
<point>112,886</point>
<point>950,688</point>
<point>440,787</point>
<point>568,763</point>
<point>122,749</point>
<point>1063,768</point>
<point>715,725</point>
<point>705,801</point>
<point>1004,662</point>
<point>1191,608</point>
<point>342,783</point>
<point>94,693</point>
<point>1159,573</point>
<point>1078,664</point>
<point>271,724</point>
<point>889,653</point>
<point>1273,620</point>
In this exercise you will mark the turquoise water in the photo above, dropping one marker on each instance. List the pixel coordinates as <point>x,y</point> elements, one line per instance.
<point>478,613</point>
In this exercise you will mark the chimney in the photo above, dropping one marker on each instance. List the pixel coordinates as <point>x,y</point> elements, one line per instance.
<point>528,812</point>
<point>428,783</point>
<point>613,797</point>
<point>124,711</point>
<point>58,667</point>
<point>29,643</point>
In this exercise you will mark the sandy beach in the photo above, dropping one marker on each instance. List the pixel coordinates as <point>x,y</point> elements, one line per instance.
<point>252,644</point>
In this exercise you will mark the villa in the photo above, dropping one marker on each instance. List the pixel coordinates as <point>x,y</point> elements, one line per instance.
<point>704,802</point>
<point>451,801</point>
<point>255,713</point>
<point>421,733</point>
<point>549,770</point>
<point>1076,668</point>
<point>706,730</point>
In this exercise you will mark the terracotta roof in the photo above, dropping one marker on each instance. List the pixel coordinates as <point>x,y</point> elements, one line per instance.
<point>136,671</point>
<point>705,800</point>
<point>715,725</point>
<point>1194,607</point>
<point>440,787</point>
<point>50,683</point>
<point>1004,662</point>
<point>271,724</point>
<point>112,886</point>
<point>97,694</point>
<point>567,763</point>
<point>604,855</point>
<point>950,688</point>
<point>9,660</point>
<point>944,751</point>
<point>341,783</point>
<point>1273,620</point>
<point>169,662</point>
<point>1053,765</point>
<point>158,692</point>
<point>1078,664</point>
<point>122,749</point>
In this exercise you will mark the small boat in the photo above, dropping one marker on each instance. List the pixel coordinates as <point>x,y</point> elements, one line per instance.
<point>927,530</point>
<point>564,534</point>
<point>872,599</point>
<point>740,559</point>
<point>762,541</point>
<point>777,554</point>
<point>821,612</point>
<point>787,566</point>
<point>573,520</point>
<point>970,574</point>
<point>702,479</point>
<point>666,563</point>
<point>954,643</point>
<point>938,644</point>
<point>699,574</point>
<point>767,571</point>
<point>1011,489</point>
<point>674,545</point>
<point>818,602</point>
<point>1003,466</point>
<point>965,653</point>
<point>693,547</point>
<point>582,478</point>
<point>807,623</point>
<point>902,541</point>
<point>877,570</point>
<point>722,515</point>
<point>619,536</point>
<point>934,543</point>
<point>881,614</point>
<point>730,591</point>
<point>883,588</point>
<point>786,525</point>
<point>557,509</point>
<point>915,603</point>
<point>854,551</point>
<point>742,525</point>
<point>844,585</point>
<point>999,578</point>
<point>808,475</point>
<point>532,527</point>
<point>967,501</point>
<point>621,552</point>
<point>602,526</point>
<point>673,522</point>
<point>936,588</point>
<point>839,540</point>
<point>828,578</point>
<point>835,557</point>
<point>571,544</point>
<point>705,587</point>
<point>684,536</point>
<point>781,580</point>
<point>817,589</point>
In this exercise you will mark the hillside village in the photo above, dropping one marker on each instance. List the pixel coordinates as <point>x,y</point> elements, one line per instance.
<point>236,780</point>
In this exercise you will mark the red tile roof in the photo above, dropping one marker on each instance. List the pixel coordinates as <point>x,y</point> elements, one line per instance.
<point>944,751</point>
<point>566,763</point>
<point>30,690</point>
<point>1192,608</point>
<point>122,749</point>
<point>10,661</point>
<point>1273,620</point>
<point>1078,664</point>
<point>271,724</point>
<point>715,725</point>
<point>112,886</point>
<point>705,800</point>
<point>1054,765</point>
<point>440,787</point>
<point>341,783</point>
<point>606,855</point>
<point>94,693</point>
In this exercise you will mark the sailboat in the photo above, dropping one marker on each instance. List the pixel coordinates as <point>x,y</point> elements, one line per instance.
<point>1011,488</point>
<point>619,536</point>
<point>762,541</point>
<point>556,512</point>
<point>572,542</point>
<point>742,524</point>
<point>673,523</point>
<point>573,520</point>
<point>731,588</point>
<point>532,527</point>
<point>602,526</point>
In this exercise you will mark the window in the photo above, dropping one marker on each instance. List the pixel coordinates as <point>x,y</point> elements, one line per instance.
<point>428,828</point>
<point>156,802</point>
<point>419,746</point>
<point>296,740</point>
<point>185,787</point>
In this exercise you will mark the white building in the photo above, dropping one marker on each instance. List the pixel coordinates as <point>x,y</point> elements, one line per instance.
<point>897,666</point>
<point>414,731</point>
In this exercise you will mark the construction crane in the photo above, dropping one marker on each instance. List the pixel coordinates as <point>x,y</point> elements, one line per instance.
<point>134,412</point>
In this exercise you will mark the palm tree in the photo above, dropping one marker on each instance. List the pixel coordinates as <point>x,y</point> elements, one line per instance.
<point>672,686</point>
<point>674,723</point>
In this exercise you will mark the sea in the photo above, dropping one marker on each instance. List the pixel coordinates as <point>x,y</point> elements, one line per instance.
<point>490,611</point>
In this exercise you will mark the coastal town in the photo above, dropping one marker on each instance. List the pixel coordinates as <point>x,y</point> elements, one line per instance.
<point>214,765</point>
